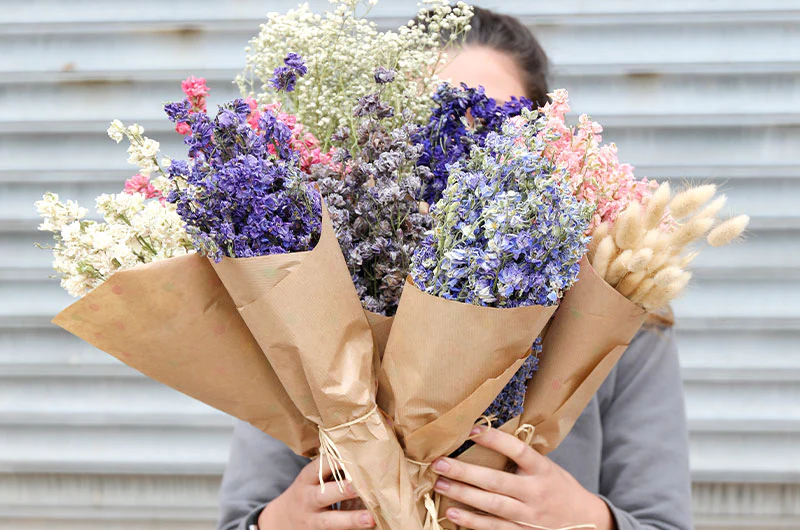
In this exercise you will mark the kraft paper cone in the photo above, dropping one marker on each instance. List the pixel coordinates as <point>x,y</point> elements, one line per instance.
<point>305,314</point>
<point>445,362</point>
<point>588,334</point>
<point>174,321</point>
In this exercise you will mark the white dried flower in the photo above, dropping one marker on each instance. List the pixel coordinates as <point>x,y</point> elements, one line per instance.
<point>116,131</point>
<point>342,50</point>
<point>133,231</point>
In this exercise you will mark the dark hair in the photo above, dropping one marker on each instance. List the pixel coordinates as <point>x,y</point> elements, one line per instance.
<point>507,34</point>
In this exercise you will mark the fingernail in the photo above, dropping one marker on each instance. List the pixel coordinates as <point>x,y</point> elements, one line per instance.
<point>453,514</point>
<point>476,430</point>
<point>441,465</point>
<point>366,519</point>
<point>350,489</point>
<point>442,485</point>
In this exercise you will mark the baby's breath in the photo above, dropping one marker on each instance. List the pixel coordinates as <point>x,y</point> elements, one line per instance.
<point>342,49</point>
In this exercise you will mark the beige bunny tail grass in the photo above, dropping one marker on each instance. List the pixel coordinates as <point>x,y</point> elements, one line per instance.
<point>606,251</point>
<point>641,292</point>
<point>728,231</point>
<point>690,200</point>
<point>714,207</point>
<point>667,276</point>
<point>694,229</point>
<point>656,239</point>
<point>629,230</point>
<point>630,283</point>
<point>657,206</point>
<point>600,232</point>
<point>619,267</point>
<point>660,258</point>
<point>640,260</point>
<point>661,295</point>
<point>688,259</point>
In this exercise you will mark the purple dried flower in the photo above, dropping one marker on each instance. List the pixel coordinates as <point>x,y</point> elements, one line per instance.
<point>296,63</point>
<point>285,77</point>
<point>447,138</point>
<point>373,204</point>
<point>384,75</point>
<point>371,105</point>
<point>242,193</point>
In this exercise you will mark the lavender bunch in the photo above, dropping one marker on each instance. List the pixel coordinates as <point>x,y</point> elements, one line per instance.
<point>372,199</point>
<point>241,193</point>
<point>449,136</point>
<point>507,233</point>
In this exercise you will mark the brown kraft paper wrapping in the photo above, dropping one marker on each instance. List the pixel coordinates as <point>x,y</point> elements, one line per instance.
<point>444,363</point>
<point>174,321</point>
<point>308,320</point>
<point>588,334</point>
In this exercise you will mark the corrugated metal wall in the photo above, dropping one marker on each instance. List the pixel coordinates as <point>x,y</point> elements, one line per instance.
<point>687,89</point>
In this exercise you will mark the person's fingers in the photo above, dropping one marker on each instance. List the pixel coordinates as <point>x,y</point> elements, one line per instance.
<point>337,520</point>
<point>528,461</point>
<point>483,477</point>
<point>331,495</point>
<point>486,501</point>
<point>310,473</point>
<point>467,519</point>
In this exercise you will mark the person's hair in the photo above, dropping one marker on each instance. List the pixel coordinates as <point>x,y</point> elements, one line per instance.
<point>508,35</point>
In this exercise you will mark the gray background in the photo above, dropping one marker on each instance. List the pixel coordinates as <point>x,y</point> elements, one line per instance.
<point>688,89</point>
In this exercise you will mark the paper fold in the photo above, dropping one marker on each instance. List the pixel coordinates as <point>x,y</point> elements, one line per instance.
<point>174,321</point>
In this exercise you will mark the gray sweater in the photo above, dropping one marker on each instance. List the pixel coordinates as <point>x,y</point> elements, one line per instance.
<point>629,446</point>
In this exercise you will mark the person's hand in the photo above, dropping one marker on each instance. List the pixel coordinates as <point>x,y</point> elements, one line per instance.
<point>303,505</point>
<point>539,493</point>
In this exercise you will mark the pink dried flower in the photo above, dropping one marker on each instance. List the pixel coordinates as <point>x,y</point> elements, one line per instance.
<point>194,87</point>
<point>183,128</point>
<point>594,170</point>
<point>305,143</point>
<point>141,184</point>
<point>196,92</point>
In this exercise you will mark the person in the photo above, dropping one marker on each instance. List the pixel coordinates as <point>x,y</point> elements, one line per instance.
<point>624,465</point>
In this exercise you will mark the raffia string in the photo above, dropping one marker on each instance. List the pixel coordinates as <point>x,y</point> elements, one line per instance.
<point>329,451</point>
<point>432,512</point>
<point>527,430</point>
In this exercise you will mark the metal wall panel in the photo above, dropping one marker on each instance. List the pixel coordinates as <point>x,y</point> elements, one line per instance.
<point>689,90</point>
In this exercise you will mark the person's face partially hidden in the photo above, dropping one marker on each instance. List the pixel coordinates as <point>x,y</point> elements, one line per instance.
<point>493,70</point>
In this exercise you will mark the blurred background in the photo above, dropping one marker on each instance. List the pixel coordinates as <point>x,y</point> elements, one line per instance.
<point>688,89</point>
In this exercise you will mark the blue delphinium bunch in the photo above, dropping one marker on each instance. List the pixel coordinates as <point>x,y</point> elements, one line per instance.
<point>241,193</point>
<point>507,233</point>
<point>449,135</point>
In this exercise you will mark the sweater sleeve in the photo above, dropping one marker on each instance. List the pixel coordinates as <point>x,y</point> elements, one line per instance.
<point>644,474</point>
<point>259,469</point>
